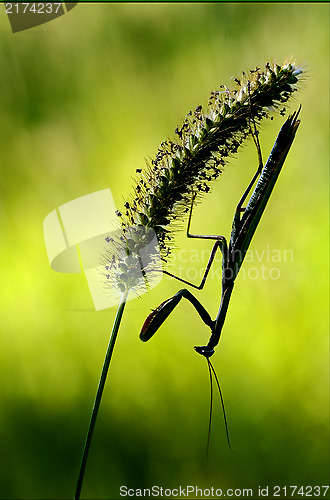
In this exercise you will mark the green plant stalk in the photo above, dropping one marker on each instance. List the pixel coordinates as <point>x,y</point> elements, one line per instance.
<point>99,392</point>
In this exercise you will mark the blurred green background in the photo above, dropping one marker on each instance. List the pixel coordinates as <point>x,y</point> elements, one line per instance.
<point>83,101</point>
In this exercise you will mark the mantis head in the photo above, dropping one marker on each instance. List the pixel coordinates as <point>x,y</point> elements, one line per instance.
<point>204,350</point>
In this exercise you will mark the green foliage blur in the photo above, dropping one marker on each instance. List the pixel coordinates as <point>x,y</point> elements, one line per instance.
<point>83,101</point>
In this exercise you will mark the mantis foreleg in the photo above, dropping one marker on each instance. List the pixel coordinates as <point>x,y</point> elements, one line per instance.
<point>159,315</point>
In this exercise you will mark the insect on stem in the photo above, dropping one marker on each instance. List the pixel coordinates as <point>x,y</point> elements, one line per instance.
<point>177,177</point>
<point>245,223</point>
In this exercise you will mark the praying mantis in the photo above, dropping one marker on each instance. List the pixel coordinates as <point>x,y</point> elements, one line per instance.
<point>245,223</point>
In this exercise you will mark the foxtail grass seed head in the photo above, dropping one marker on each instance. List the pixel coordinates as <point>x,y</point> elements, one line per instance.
<point>131,258</point>
<point>185,166</point>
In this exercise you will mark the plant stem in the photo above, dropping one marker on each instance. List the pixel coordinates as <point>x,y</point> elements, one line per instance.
<point>99,392</point>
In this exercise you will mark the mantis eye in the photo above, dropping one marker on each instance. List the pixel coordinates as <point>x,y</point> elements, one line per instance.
<point>205,351</point>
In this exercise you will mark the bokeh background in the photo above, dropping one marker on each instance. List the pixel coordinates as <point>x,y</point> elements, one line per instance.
<point>83,101</point>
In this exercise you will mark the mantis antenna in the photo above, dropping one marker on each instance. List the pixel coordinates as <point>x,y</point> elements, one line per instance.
<point>212,371</point>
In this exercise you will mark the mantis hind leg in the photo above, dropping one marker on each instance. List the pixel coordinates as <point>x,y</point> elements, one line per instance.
<point>220,243</point>
<point>255,136</point>
<point>239,208</point>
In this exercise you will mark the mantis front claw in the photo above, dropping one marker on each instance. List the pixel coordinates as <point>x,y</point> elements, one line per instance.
<point>157,317</point>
